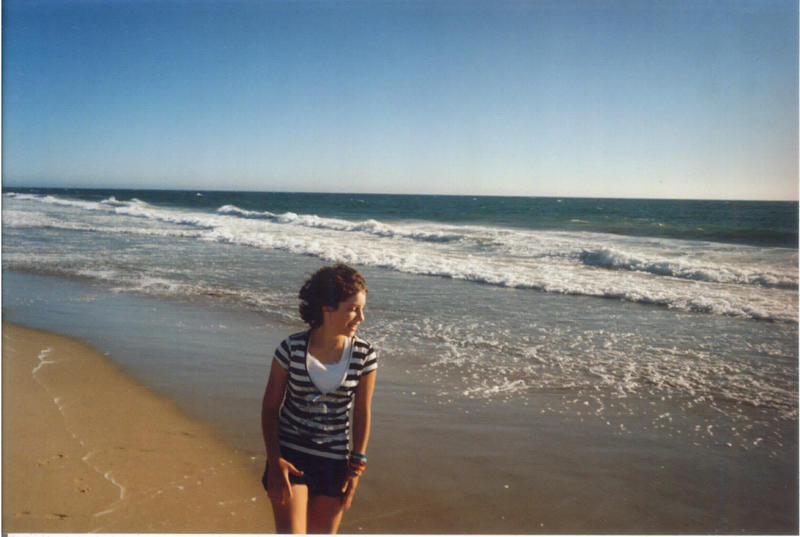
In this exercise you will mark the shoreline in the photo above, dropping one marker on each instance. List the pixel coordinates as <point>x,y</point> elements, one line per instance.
<point>441,460</point>
<point>86,448</point>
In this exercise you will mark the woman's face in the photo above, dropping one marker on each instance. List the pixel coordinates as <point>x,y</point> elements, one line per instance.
<point>345,319</point>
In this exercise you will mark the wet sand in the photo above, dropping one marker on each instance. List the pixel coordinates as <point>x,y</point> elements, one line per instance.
<point>551,463</point>
<point>87,449</point>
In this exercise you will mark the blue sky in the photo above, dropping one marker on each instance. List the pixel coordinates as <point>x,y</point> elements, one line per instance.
<point>675,99</point>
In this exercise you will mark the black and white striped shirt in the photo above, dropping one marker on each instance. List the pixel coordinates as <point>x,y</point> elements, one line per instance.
<point>311,421</point>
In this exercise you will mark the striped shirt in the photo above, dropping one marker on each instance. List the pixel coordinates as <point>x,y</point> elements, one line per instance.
<point>311,421</point>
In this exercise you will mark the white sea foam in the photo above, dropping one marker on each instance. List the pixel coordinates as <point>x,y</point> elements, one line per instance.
<point>598,368</point>
<point>722,279</point>
<point>686,269</point>
<point>407,230</point>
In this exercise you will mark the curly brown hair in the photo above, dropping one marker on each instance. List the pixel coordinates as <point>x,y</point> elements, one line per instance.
<point>328,287</point>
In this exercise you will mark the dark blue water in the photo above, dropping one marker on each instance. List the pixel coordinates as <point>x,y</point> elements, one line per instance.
<point>757,223</point>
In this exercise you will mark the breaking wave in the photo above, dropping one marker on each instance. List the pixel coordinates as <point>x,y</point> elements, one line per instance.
<point>723,279</point>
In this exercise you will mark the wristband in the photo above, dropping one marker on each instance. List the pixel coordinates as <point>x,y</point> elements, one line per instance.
<point>358,456</point>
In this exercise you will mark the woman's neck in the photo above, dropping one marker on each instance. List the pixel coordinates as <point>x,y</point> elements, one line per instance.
<point>322,339</point>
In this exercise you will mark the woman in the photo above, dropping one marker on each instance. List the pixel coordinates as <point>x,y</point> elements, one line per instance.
<point>317,379</point>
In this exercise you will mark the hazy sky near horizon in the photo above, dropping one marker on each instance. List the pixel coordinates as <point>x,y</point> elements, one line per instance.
<point>676,99</point>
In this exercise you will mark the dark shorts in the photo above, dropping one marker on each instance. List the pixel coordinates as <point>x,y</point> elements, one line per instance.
<point>324,477</point>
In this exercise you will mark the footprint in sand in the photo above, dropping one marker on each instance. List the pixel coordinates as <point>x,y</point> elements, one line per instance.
<point>57,516</point>
<point>54,458</point>
<point>81,486</point>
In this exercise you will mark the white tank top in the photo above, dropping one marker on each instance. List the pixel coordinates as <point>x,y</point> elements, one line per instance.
<point>328,377</point>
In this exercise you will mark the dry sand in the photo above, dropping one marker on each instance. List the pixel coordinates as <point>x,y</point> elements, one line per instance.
<point>86,448</point>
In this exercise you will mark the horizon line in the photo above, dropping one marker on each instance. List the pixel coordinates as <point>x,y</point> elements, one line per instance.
<point>252,190</point>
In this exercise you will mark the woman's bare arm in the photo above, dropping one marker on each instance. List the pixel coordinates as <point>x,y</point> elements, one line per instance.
<point>270,406</point>
<point>278,469</point>
<point>362,413</point>
<point>362,416</point>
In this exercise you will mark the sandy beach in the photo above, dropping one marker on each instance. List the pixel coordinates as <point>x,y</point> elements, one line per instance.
<point>87,449</point>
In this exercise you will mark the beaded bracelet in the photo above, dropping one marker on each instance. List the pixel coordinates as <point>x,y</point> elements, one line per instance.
<point>355,471</point>
<point>357,466</point>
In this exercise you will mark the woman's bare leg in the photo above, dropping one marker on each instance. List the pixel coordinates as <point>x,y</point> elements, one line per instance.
<point>291,516</point>
<point>324,514</point>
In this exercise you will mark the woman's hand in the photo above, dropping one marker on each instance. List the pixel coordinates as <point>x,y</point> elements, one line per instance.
<point>279,488</point>
<point>349,489</point>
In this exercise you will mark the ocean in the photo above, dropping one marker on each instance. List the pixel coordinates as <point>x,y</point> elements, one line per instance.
<point>640,355</point>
